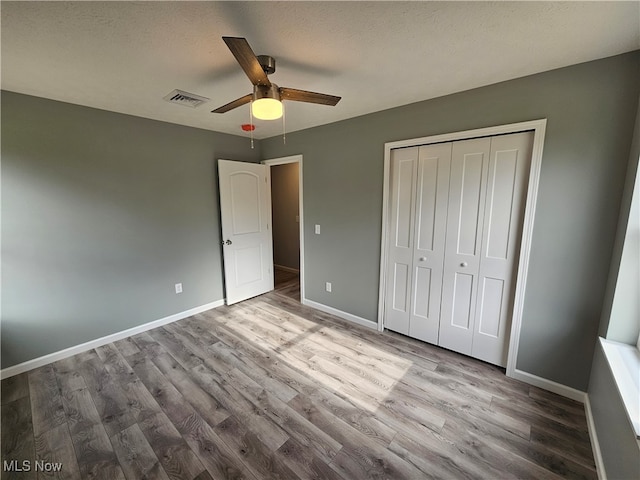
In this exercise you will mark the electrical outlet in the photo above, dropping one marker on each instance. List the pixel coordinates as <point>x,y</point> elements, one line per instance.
<point>317,229</point>
<point>178,288</point>
<point>328,287</point>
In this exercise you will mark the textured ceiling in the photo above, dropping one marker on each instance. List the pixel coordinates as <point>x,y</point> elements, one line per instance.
<point>126,56</point>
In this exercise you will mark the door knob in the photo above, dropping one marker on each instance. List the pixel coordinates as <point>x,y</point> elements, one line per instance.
<point>423,259</point>
<point>228,242</point>
<point>463,264</point>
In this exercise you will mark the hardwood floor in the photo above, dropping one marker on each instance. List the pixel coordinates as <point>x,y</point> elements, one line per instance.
<point>270,389</point>
<point>287,283</point>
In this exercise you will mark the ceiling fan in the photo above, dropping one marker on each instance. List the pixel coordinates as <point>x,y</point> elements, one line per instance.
<point>266,99</point>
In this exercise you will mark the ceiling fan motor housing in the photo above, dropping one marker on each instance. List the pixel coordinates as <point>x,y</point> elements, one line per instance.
<point>262,91</point>
<point>267,63</point>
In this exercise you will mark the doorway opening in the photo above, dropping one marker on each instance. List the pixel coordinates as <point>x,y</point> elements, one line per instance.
<point>285,179</point>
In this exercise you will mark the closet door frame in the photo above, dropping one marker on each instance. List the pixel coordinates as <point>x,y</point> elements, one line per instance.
<point>538,127</point>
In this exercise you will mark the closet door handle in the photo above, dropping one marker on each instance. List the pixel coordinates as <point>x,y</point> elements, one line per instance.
<point>423,259</point>
<point>463,264</point>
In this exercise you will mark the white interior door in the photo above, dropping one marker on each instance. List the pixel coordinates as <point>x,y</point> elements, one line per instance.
<point>245,207</point>
<point>509,163</point>
<point>467,190</point>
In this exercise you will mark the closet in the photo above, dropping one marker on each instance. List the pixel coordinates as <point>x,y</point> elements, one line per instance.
<point>455,220</point>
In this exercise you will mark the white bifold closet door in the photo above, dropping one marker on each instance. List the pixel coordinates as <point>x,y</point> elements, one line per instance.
<point>420,180</point>
<point>455,236</point>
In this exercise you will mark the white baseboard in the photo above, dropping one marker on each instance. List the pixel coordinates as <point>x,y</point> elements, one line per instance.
<point>550,385</point>
<point>339,313</point>
<point>593,436</point>
<point>83,347</point>
<point>286,269</point>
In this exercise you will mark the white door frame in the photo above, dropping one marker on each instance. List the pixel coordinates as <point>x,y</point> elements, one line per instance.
<point>538,127</point>
<point>281,161</point>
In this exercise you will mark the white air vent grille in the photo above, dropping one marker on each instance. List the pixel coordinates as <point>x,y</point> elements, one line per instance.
<point>184,98</point>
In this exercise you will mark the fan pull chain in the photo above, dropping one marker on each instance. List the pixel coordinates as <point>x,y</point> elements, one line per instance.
<point>284,128</point>
<point>251,123</point>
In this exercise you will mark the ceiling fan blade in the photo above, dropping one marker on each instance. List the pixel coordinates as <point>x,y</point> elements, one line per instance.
<point>247,60</point>
<point>309,97</point>
<point>231,105</point>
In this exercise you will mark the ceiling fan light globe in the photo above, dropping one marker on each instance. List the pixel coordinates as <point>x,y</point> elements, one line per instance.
<point>267,109</point>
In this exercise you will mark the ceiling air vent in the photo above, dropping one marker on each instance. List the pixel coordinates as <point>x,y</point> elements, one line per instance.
<point>184,98</point>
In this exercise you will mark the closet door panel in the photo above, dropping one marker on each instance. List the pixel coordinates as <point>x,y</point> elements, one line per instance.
<point>500,203</point>
<point>422,296</point>
<point>467,197</point>
<point>463,295</point>
<point>509,163</point>
<point>403,208</point>
<point>491,307</point>
<point>401,241</point>
<point>400,287</point>
<point>427,194</point>
<point>467,191</point>
<point>432,185</point>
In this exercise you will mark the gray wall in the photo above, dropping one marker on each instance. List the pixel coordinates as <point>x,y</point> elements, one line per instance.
<point>617,440</point>
<point>285,206</point>
<point>621,311</point>
<point>620,322</point>
<point>590,110</point>
<point>102,214</point>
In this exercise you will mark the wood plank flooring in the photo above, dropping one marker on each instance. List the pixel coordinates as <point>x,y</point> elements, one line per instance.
<point>287,283</point>
<point>271,389</point>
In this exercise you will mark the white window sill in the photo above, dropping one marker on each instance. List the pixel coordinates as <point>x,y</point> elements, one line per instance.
<point>624,361</point>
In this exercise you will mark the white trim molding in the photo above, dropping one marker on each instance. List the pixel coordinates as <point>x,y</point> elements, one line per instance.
<point>624,364</point>
<point>572,393</point>
<point>281,161</point>
<point>595,444</point>
<point>339,313</point>
<point>98,342</point>
<point>538,127</point>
